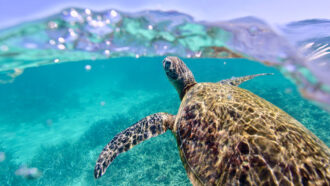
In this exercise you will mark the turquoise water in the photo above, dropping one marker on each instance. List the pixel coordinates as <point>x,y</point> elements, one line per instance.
<point>58,117</point>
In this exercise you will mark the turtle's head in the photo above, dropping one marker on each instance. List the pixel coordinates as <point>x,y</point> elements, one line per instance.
<point>179,75</point>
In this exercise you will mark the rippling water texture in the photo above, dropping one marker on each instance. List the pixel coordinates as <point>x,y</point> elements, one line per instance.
<point>300,49</point>
<point>58,117</point>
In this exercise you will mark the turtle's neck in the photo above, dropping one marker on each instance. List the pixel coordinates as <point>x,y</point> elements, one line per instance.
<point>186,89</point>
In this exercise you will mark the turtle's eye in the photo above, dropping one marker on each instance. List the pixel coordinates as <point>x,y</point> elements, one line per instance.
<point>171,72</point>
<point>170,65</point>
<point>167,65</point>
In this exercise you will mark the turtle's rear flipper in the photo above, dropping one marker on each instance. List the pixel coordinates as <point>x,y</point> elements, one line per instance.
<point>146,128</point>
<point>238,80</point>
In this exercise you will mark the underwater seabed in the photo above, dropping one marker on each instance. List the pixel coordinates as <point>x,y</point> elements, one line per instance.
<point>58,117</point>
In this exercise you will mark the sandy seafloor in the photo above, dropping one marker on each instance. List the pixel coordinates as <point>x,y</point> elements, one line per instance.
<point>58,118</point>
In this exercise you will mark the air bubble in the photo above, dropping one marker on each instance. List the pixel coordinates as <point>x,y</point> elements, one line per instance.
<point>52,42</point>
<point>88,67</point>
<point>88,11</point>
<point>61,40</point>
<point>107,52</point>
<point>61,46</point>
<point>95,23</point>
<point>52,25</point>
<point>74,13</point>
<point>28,173</point>
<point>72,33</point>
<point>198,54</point>
<point>113,13</point>
<point>89,18</point>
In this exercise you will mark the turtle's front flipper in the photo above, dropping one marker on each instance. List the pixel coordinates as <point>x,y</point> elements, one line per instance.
<point>144,129</point>
<point>238,80</point>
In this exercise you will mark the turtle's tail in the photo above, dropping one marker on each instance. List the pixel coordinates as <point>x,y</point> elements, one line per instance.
<point>144,129</point>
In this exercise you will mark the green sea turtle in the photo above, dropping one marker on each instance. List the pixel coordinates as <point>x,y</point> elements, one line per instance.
<point>227,135</point>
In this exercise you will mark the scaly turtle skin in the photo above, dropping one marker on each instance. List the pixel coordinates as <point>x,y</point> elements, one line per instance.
<point>227,135</point>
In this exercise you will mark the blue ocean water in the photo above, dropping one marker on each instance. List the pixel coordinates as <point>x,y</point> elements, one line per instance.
<point>57,118</point>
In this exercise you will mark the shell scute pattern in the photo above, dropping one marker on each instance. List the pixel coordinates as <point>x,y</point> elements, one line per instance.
<point>228,135</point>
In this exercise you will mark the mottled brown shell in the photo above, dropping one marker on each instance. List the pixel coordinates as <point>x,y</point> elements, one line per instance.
<point>230,136</point>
